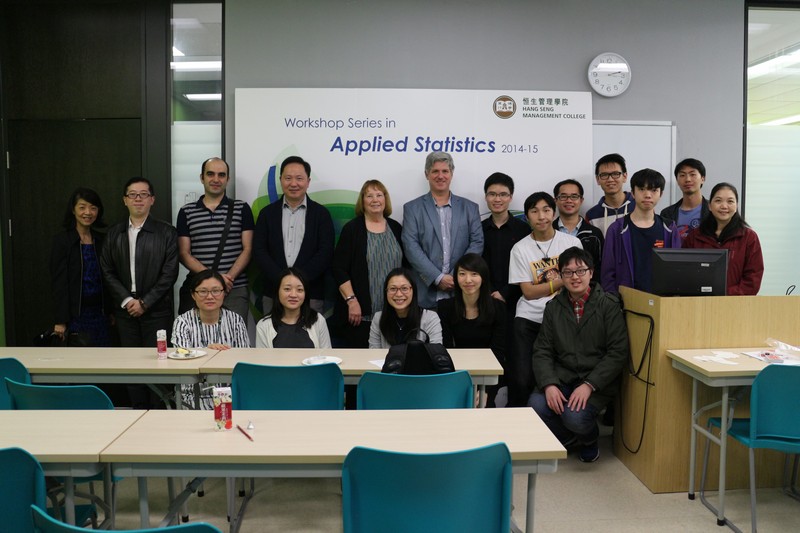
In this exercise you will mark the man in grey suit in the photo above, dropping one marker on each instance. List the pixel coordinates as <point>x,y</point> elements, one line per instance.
<point>438,228</point>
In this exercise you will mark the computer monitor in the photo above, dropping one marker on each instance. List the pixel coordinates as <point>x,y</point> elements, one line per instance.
<point>690,272</point>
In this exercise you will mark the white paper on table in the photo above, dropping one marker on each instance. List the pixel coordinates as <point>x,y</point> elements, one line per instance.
<point>377,362</point>
<point>715,359</point>
<point>725,355</point>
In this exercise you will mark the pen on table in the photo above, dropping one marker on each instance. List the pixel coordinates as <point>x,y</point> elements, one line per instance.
<point>246,434</point>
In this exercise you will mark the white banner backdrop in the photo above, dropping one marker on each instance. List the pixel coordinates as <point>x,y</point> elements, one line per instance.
<point>351,135</point>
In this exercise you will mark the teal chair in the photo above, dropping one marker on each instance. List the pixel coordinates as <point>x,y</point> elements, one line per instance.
<point>452,390</point>
<point>284,388</point>
<point>281,388</point>
<point>23,485</point>
<point>12,369</point>
<point>26,396</point>
<point>774,423</point>
<point>395,492</point>
<point>43,523</point>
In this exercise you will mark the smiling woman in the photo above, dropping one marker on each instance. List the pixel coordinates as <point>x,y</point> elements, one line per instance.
<point>292,323</point>
<point>402,318</point>
<point>209,325</point>
<point>77,284</point>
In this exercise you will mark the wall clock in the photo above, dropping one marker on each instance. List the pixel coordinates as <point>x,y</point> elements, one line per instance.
<point>609,74</point>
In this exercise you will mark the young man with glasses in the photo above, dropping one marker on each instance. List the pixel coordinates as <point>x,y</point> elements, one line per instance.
<point>578,356</point>
<point>611,174</point>
<point>140,266</point>
<point>569,199</point>
<point>628,251</point>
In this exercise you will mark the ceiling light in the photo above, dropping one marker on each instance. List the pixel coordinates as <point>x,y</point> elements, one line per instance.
<point>773,65</point>
<point>783,121</point>
<point>203,97</point>
<point>196,66</point>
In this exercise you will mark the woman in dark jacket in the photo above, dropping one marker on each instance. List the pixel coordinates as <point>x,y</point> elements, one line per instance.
<point>723,227</point>
<point>472,318</point>
<point>77,283</point>
<point>369,248</point>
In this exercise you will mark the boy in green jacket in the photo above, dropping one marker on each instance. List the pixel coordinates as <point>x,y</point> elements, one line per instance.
<point>578,356</point>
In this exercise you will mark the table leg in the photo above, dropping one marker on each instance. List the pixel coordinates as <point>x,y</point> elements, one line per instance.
<point>144,507</point>
<point>69,500</point>
<point>693,440</point>
<point>481,395</point>
<point>529,511</point>
<point>723,450</point>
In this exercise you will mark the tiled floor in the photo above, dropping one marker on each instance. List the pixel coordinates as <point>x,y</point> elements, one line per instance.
<point>598,497</point>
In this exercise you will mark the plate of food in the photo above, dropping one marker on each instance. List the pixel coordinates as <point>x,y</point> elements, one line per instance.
<point>186,353</point>
<point>321,360</point>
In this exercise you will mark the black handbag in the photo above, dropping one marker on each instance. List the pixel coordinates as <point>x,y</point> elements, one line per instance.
<point>416,357</point>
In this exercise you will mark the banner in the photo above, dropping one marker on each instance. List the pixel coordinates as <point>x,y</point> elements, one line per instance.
<point>352,135</point>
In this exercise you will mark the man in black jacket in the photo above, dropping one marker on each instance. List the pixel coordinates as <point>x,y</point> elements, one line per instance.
<point>140,266</point>
<point>294,231</point>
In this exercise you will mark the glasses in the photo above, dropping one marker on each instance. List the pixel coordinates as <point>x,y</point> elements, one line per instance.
<point>136,195</point>
<point>572,273</point>
<point>501,195</point>
<point>202,293</point>
<point>565,197</point>
<point>394,290</point>
<point>606,175</point>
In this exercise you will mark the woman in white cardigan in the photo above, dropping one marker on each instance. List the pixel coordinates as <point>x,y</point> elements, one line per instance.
<point>292,323</point>
<point>402,318</point>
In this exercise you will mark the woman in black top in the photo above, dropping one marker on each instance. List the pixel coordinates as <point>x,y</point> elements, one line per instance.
<point>472,318</point>
<point>369,248</point>
<point>77,283</point>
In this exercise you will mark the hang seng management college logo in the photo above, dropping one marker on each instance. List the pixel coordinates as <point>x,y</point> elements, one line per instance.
<point>504,106</point>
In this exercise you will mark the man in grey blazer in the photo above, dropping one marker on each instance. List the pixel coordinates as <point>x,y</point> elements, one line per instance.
<point>438,228</point>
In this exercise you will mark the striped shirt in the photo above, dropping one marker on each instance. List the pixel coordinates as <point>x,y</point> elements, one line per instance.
<point>188,331</point>
<point>204,228</point>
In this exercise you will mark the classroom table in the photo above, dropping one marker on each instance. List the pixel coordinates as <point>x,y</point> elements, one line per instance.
<point>315,443</point>
<point>722,376</point>
<point>107,365</point>
<point>66,443</point>
<point>481,363</point>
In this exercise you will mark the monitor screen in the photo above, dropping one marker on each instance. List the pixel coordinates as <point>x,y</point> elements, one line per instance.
<point>690,272</point>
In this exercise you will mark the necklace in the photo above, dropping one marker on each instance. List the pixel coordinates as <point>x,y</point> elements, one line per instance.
<point>547,253</point>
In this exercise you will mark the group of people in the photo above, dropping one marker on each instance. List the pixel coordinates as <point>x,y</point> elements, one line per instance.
<point>540,293</point>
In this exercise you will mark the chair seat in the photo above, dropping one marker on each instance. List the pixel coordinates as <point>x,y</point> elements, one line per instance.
<point>740,430</point>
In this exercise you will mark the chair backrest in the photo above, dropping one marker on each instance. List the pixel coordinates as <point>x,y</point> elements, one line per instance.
<point>400,391</point>
<point>460,491</point>
<point>12,369</point>
<point>44,523</point>
<point>775,406</point>
<point>284,388</point>
<point>28,396</point>
<point>23,485</point>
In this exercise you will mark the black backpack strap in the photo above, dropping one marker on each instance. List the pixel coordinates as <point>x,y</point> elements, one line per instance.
<point>224,236</point>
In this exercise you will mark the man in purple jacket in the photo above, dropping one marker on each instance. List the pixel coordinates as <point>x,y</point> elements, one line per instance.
<point>627,255</point>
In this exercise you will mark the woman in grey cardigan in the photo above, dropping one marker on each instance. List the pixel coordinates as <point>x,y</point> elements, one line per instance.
<point>402,318</point>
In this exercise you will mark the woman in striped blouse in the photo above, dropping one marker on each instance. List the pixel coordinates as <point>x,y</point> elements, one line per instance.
<point>209,325</point>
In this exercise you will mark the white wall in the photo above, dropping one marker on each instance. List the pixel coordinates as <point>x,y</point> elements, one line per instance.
<point>686,56</point>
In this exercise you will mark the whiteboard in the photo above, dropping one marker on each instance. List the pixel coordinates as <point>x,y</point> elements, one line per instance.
<point>643,145</point>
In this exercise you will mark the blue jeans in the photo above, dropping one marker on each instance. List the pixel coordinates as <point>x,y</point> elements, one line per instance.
<point>580,424</point>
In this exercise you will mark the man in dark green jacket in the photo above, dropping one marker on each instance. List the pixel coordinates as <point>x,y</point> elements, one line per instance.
<point>579,355</point>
